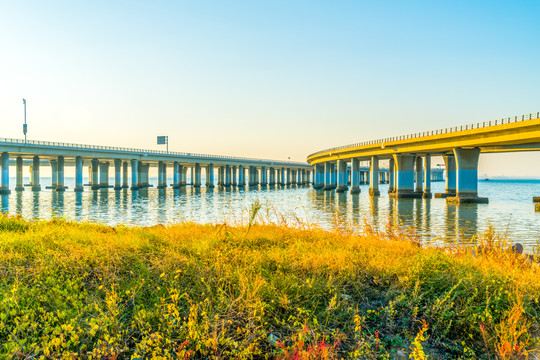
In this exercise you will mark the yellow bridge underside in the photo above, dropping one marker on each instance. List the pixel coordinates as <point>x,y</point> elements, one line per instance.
<point>510,137</point>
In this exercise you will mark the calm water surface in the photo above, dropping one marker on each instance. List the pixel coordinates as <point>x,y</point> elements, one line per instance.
<point>510,209</point>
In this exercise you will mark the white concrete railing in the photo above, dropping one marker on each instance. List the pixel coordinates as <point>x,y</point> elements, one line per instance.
<point>438,132</point>
<point>140,151</point>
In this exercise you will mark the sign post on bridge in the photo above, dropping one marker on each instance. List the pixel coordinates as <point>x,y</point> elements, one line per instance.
<point>163,140</point>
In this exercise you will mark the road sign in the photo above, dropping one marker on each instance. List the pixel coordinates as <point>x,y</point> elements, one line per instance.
<point>162,140</point>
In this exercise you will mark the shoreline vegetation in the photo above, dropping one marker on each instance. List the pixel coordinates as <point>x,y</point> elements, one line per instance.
<point>259,291</point>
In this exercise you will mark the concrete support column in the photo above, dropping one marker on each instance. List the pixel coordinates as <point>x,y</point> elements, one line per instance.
<point>104,174</point>
<point>176,175</point>
<point>163,174</point>
<point>54,174</point>
<point>134,174</point>
<point>164,170</point>
<point>95,174</point>
<point>466,177</point>
<point>183,175</point>
<point>288,181</point>
<point>227,176</point>
<point>117,174</point>
<point>146,175</point>
<point>125,175</point>
<point>342,176</point>
<point>404,176</point>
<point>20,186</point>
<point>391,174</point>
<point>197,178</point>
<point>450,180</point>
<point>374,176</point>
<point>220,176</point>
<point>251,176</point>
<point>233,176</point>
<point>4,190</point>
<point>241,176</point>
<point>264,178</point>
<point>427,177</point>
<point>271,176</point>
<point>318,179</point>
<point>355,176</point>
<point>60,186</point>
<point>210,176</point>
<point>450,165</point>
<point>35,174</point>
<point>418,175</point>
<point>328,176</point>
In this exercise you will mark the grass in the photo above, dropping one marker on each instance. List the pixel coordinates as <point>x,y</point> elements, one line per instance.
<point>188,291</point>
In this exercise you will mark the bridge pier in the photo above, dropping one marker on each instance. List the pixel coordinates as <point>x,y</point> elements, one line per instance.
<point>341,176</point>
<point>104,175</point>
<point>60,186</point>
<point>328,178</point>
<point>4,190</point>
<point>125,173</point>
<point>450,181</point>
<point>427,177</point>
<point>467,177</point>
<point>176,175</point>
<point>234,182</point>
<point>391,176</point>
<point>54,174</point>
<point>318,182</point>
<point>220,176</point>
<point>210,176</point>
<point>374,176</point>
<point>141,168</point>
<point>404,165</point>
<point>419,189</point>
<point>264,177</point>
<point>94,174</point>
<point>271,176</point>
<point>241,176</point>
<point>227,176</point>
<point>134,174</point>
<point>19,186</point>
<point>162,175</point>
<point>196,175</point>
<point>117,174</point>
<point>183,175</point>
<point>355,176</point>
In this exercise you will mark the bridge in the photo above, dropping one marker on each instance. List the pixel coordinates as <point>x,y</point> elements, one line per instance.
<point>131,167</point>
<point>409,158</point>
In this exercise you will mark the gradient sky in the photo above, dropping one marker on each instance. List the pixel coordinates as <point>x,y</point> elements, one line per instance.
<point>269,79</point>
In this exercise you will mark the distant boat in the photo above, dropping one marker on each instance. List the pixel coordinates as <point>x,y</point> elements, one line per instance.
<point>486,179</point>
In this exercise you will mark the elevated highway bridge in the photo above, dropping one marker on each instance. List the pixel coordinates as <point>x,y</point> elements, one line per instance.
<point>409,158</point>
<point>131,167</point>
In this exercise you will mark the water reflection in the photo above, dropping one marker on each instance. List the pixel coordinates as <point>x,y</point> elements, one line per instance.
<point>5,203</point>
<point>466,221</point>
<point>429,217</point>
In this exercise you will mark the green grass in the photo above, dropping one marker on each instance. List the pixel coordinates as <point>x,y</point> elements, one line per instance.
<point>79,291</point>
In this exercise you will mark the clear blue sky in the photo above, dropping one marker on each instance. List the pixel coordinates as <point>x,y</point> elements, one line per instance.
<point>268,79</point>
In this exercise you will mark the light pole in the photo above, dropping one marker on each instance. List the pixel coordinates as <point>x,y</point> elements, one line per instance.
<point>25,127</point>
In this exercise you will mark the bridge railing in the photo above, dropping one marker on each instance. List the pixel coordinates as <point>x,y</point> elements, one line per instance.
<point>478,125</point>
<point>141,151</point>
